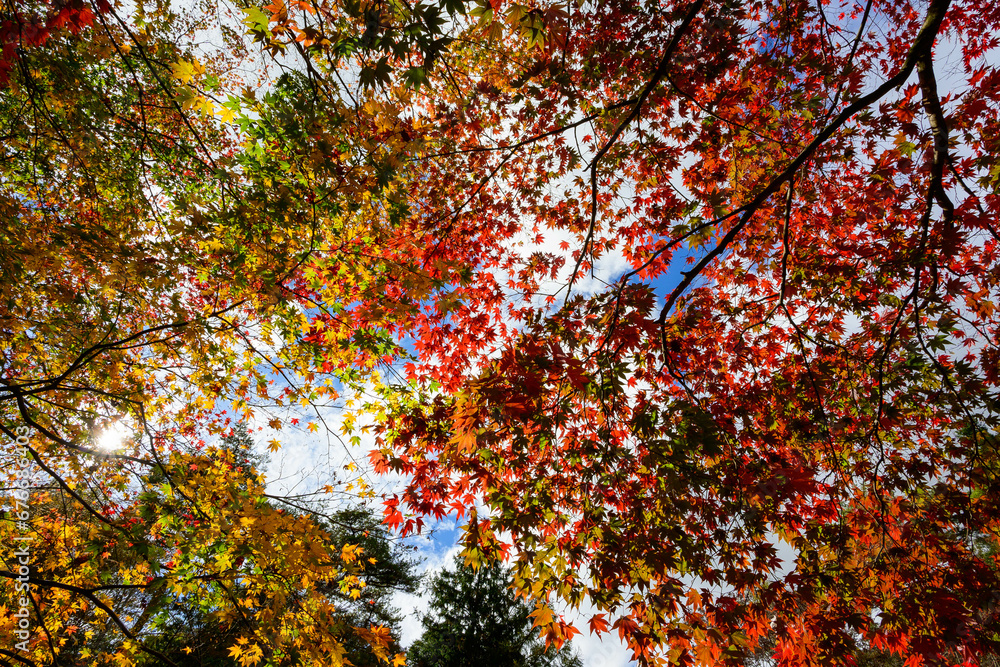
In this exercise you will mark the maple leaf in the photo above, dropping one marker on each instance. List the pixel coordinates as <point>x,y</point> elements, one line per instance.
<point>543,617</point>
<point>598,624</point>
<point>794,336</point>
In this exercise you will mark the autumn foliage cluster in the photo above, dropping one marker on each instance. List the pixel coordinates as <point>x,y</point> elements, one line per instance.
<point>688,310</point>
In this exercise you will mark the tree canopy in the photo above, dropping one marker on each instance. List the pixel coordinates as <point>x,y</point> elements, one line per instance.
<point>688,308</point>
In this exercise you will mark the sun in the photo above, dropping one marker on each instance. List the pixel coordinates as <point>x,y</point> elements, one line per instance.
<point>112,436</point>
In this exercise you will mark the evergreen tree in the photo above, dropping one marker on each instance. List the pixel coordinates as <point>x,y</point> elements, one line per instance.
<point>246,455</point>
<point>476,621</point>
<point>191,635</point>
<point>388,569</point>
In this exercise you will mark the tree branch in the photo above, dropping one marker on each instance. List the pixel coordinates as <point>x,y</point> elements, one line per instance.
<point>921,46</point>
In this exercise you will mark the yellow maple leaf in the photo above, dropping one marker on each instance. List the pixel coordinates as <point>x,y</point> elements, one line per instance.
<point>350,552</point>
<point>183,70</point>
<point>226,114</point>
<point>212,245</point>
<point>253,656</point>
<point>542,615</point>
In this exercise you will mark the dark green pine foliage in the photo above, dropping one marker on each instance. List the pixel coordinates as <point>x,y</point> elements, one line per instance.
<point>245,453</point>
<point>476,621</point>
<point>391,573</point>
<point>191,636</point>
